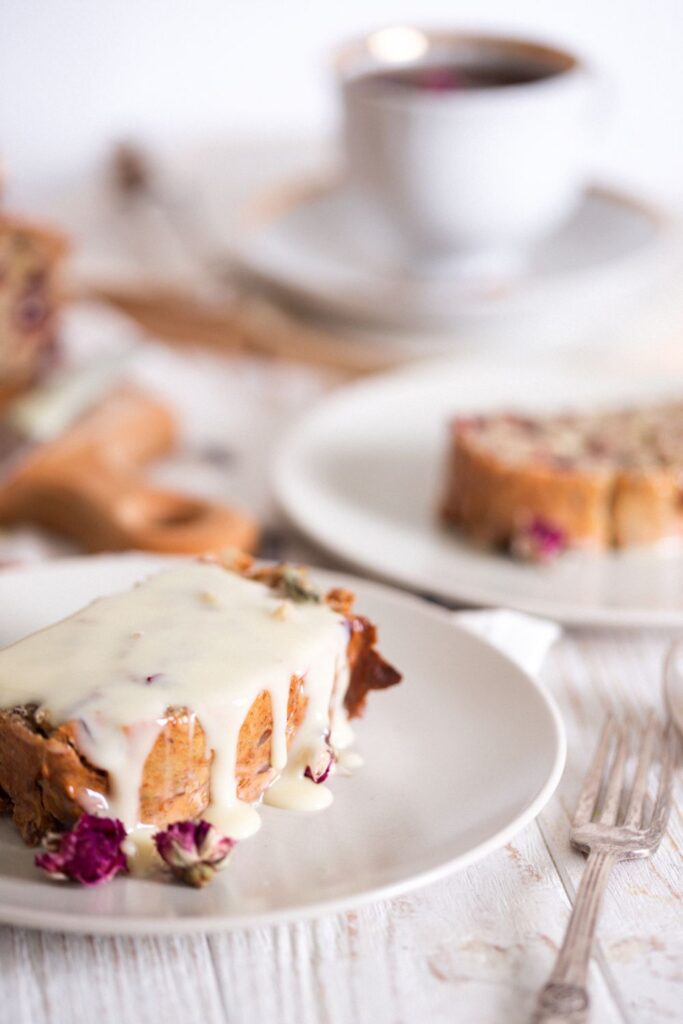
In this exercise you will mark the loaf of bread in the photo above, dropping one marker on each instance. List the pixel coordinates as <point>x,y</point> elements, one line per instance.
<point>47,779</point>
<point>30,263</point>
<point>536,485</point>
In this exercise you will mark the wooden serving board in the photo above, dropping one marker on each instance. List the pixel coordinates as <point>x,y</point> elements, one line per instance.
<point>88,485</point>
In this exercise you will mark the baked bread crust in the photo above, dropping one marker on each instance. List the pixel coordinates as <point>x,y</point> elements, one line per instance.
<point>30,299</point>
<point>619,492</point>
<point>46,784</point>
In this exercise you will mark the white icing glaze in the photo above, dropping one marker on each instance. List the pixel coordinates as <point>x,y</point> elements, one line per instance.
<point>141,852</point>
<point>296,793</point>
<point>347,760</point>
<point>196,637</point>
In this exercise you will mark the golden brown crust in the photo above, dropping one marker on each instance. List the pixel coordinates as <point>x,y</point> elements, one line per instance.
<point>491,499</point>
<point>646,507</point>
<point>40,775</point>
<point>55,240</point>
<point>30,298</point>
<point>368,669</point>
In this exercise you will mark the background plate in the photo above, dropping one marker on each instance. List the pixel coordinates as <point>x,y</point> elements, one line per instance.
<point>361,475</point>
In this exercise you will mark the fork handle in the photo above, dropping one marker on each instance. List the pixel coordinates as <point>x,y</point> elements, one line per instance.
<point>564,1000</point>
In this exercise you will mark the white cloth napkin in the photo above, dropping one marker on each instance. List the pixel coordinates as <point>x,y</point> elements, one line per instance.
<point>524,638</point>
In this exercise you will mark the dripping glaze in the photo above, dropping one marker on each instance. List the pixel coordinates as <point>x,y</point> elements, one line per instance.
<point>199,637</point>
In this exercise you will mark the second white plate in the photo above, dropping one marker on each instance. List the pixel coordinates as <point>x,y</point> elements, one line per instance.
<point>361,476</point>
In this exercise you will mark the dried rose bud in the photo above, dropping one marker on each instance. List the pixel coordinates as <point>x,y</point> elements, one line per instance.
<point>321,767</point>
<point>194,851</point>
<point>538,541</point>
<point>90,853</point>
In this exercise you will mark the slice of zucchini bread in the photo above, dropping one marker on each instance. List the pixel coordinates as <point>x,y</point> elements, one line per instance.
<point>536,485</point>
<point>30,298</point>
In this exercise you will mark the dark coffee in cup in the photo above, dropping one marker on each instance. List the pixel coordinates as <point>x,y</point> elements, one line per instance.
<point>457,75</point>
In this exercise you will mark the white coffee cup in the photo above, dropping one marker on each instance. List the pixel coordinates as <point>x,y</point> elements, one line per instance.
<point>474,176</point>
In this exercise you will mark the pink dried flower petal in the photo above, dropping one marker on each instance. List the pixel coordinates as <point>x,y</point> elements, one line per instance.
<point>538,541</point>
<point>319,771</point>
<point>193,850</point>
<point>90,853</point>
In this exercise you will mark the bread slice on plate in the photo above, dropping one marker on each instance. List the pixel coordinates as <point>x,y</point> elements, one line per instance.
<point>536,485</point>
<point>193,695</point>
<point>30,298</point>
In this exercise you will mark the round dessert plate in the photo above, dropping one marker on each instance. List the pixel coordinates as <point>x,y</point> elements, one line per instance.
<point>458,757</point>
<point>321,250</point>
<point>361,474</point>
<point>673,684</point>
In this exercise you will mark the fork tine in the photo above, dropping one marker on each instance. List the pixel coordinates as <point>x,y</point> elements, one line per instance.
<point>615,780</point>
<point>634,811</point>
<point>660,814</point>
<point>588,796</point>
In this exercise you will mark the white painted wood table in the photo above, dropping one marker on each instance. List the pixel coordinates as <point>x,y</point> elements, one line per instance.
<point>473,949</point>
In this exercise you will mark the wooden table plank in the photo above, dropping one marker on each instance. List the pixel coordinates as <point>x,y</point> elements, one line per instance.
<point>640,929</point>
<point>48,978</point>
<point>473,949</point>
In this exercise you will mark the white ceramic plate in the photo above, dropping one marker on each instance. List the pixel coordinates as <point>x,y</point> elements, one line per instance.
<point>460,756</point>
<point>323,251</point>
<point>673,684</point>
<point>361,476</point>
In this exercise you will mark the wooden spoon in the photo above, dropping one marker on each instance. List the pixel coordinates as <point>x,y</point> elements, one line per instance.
<point>87,485</point>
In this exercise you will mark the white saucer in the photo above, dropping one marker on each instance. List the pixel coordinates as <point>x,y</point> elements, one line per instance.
<point>320,250</point>
<point>361,475</point>
<point>486,750</point>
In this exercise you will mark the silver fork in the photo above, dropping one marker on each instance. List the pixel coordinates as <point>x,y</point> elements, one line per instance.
<point>608,834</point>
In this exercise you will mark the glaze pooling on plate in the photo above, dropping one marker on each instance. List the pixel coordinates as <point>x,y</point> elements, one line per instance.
<point>196,637</point>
